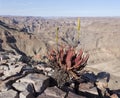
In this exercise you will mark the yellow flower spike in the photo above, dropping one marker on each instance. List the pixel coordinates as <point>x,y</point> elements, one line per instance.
<point>78,28</point>
<point>57,29</point>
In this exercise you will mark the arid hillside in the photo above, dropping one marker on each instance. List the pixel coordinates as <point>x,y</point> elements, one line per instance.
<point>34,37</point>
<point>98,36</point>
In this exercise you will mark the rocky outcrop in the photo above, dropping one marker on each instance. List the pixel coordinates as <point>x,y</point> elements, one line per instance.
<point>21,80</point>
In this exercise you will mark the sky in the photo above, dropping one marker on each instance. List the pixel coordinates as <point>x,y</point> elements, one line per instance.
<point>68,8</point>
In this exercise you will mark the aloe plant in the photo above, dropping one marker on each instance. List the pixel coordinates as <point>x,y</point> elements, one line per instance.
<point>68,60</point>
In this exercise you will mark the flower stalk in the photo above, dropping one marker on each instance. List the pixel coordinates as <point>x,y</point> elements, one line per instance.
<point>78,28</point>
<point>57,29</point>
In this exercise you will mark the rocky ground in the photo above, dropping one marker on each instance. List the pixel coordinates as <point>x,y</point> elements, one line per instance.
<point>23,38</point>
<point>32,80</point>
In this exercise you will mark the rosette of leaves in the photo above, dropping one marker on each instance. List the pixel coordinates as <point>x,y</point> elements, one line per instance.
<point>67,64</point>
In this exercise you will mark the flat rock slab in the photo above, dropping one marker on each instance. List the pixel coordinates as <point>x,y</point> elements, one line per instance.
<point>9,94</point>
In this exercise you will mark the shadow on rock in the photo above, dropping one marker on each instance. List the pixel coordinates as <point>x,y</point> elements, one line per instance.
<point>1,41</point>
<point>12,43</point>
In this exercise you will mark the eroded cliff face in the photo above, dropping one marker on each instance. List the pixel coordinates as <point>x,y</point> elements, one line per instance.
<point>35,35</point>
<point>21,42</point>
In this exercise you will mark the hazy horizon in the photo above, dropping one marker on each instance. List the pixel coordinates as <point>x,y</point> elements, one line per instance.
<point>62,8</point>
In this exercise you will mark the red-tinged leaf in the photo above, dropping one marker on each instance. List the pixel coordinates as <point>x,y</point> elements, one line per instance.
<point>79,56</point>
<point>70,54</point>
<point>68,65</point>
<point>78,64</point>
<point>85,59</point>
<point>61,54</point>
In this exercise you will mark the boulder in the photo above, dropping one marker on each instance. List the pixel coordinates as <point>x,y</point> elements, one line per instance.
<point>39,81</point>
